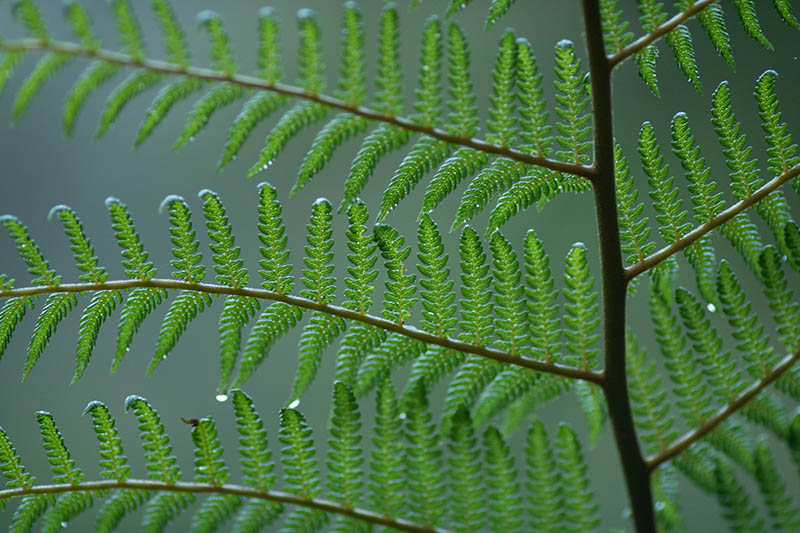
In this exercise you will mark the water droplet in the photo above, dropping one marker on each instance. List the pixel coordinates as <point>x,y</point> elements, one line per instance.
<point>128,349</point>
<point>63,524</point>
<point>402,416</point>
<point>711,308</point>
<point>191,139</point>
<point>222,397</point>
<point>660,505</point>
<point>294,404</point>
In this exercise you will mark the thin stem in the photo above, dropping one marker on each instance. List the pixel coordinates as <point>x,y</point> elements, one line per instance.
<point>662,30</point>
<point>298,301</point>
<point>615,387</point>
<point>724,413</point>
<point>63,47</point>
<point>697,233</point>
<point>237,490</point>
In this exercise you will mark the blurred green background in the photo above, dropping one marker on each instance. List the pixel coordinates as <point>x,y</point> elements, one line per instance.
<point>40,168</point>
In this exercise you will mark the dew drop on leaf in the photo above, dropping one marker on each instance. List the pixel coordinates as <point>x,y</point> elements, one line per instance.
<point>711,308</point>
<point>222,397</point>
<point>294,404</point>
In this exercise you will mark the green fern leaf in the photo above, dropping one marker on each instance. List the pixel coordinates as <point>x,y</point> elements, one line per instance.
<point>268,50</point>
<point>516,384</point>
<point>666,492</point>
<point>466,510</point>
<point>428,94</point>
<point>646,63</point>
<point>344,454</point>
<point>426,489</point>
<point>497,10</point>
<point>11,314</point>
<point>320,332</point>
<point>712,20</point>
<point>680,40</point>
<point>387,478</point>
<point>255,515</point>
<point>389,98</point>
<point>465,162</point>
<point>400,287</point>
<point>535,130</point>
<point>543,320</point>
<point>134,85</point>
<point>299,464</point>
<point>56,308</point>
<point>320,286</point>
<point>498,175</point>
<point>362,273</point>
<point>173,34</point>
<point>786,311</point>
<point>28,512</point>
<point>351,83</point>
<point>99,309</point>
<point>29,14</point>
<point>781,152</point>
<point>438,298</point>
<point>510,324</point>
<point>11,465</point>
<point>47,67</point>
<point>426,153</point>
<point>476,323</point>
<point>187,260</point>
<point>163,508</point>
<point>580,511</point>
<point>220,96</point>
<point>8,64</point>
<point>634,230</point>
<point>573,102</point>
<point>256,109</point>
<point>615,28</point>
<point>257,466</point>
<point>502,123</point>
<point>113,461</point>
<point>392,353</point>
<point>134,256</point>
<point>208,464</point>
<point>582,318</point>
<point>463,120</point>
<point>305,520</point>
<point>785,11</point>
<point>311,67</point>
<point>236,313</point>
<point>163,103</point>
<point>220,52</point>
<point>274,322</point>
<point>81,246</point>
<point>161,465</point>
<point>648,399</point>
<point>140,303</point>
<point>120,503</point>
<point>749,20</point>
<point>29,252</point>
<point>740,512</point>
<point>128,28</point>
<point>276,272</point>
<point>214,512</point>
<point>183,309</point>
<point>430,368</point>
<point>65,508</point>
<point>61,464</point>
<point>784,515</point>
<point>545,496</point>
<point>505,502</point>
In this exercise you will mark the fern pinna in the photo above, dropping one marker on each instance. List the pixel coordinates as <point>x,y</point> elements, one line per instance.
<point>491,321</point>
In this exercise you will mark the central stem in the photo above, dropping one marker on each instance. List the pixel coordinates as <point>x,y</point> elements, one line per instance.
<point>615,386</point>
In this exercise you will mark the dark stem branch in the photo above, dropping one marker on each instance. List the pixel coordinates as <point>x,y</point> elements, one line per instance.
<point>700,231</point>
<point>724,413</point>
<point>253,82</point>
<point>298,301</point>
<point>615,387</point>
<point>237,490</point>
<point>659,32</point>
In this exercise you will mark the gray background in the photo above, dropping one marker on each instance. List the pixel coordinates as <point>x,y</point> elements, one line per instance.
<point>40,168</point>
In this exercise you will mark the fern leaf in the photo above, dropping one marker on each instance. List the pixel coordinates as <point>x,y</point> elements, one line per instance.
<point>214,512</point>
<point>133,253</point>
<point>510,324</point>
<point>56,308</point>
<point>464,388</point>
<point>125,92</point>
<point>467,512</point>
<point>505,502</point>
<point>423,460</point>
<point>648,399</point>
<point>299,464</point>
<point>140,303</point>
<point>389,98</point>
<point>615,28</point>
<point>538,187</point>
<point>11,465</point>
<point>387,480</point>
<point>502,124</point>
<point>305,520</point>
<point>335,133</point>
<point>543,320</point>
<point>429,368</point>
<point>81,246</point>
<point>749,20</point>
<point>163,508</point>
<point>426,153</point>
<point>113,461</point>
<point>712,20</point>
<point>274,322</point>
<point>465,162</point>
<point>183,309</point>
<point>99,309</point>
<point>580,511</point>
<point>276,272</point>
<point>351,82</point>
<point>160,464</point>
<point>392,353</point>
<point>463,120</point>
<point>582,318</point>
<point>61,464</point>
<point>320,332</point>
<point>476,321</point>
<point>497,9</point>
<point>738,510</point>
<point>634,230</point>
<point>545,496</point>
<point>745,179</point>
<point>257,108</point>
<point>784,515</point>
<point>344,454</point>
<point>680,41</point>
<point>220,96</point>
<point>29,252</point>
<point>81,25</point>
<point>11,314</point>
<point>256,514</point>
<point>498,175</point>
<point>535,130</point>
<point>163,103</point>
<point>781,152</point>
<point>362,273</point>
<point>121,503</point>
<point>359,341</point>
<point>379,142</point>
<point>47,67</point>
<point>268,50</point>
<point>646,63</point>
<point>753,344</point>
<point>513,384</point>
<point>666,493</point>
<point>428,94</point>
<point>31,17</point>
<point>574,126</point>
<point>785,11</point>
<point>257,466</point>
<point>311,67</point>
<point>438,298</point>
<point>28,512</point>
<point>208,464</point>
<point>320,286</point>
<point>786,311</point>
<point>220,52</point>
<point>400,287</point>
<point>8,63</point>
<point>128,28</point>
<point>174,40</point>
<point>236,313</point>
<point>743,235</point>
<point>65,508</point>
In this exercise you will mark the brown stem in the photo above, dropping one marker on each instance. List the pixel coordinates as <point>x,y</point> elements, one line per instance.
<point>297,301</point>
<point>118,58</point>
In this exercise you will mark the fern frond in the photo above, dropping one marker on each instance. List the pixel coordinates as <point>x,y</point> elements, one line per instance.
<point>476,321</point>
<point>780,150</point>
<point>516,385</point>
<point>56,308</point>
<point>82,249</point>
<point>320,332</point>
<point>114,463</point>
<point>426,153</point>
<point>360,341</point>
<point>257,108</point>
<point>276,272</point>
<point>785,516</point>
<point>351,83</point>
<point>268,49</point>
<point>497,9</point>
<point>505,502</point>
<point>300,470</point>
<point>134,256</point>
<point>545,497</point>
<point>466,510</point>
<point>426,489</point>
<point>31,17</point>
<point>99,309</point>
<point>680,41</point>
<point>666,493</point>
<point>8,63</point>
<point>786,311</point>
<point>164,101</point>
<point>463,163</point>
<point>502,123</point>
<point>28,512</point>
<point>581,319</point>
<point>256,515</point>
<point>463,120</point>
<point>645,60</point>
<point>387,479</point>
<point>187,259</point>
<point>174,41</point>
<point>220,52</point>
<point>438,298</point>
<point>134,85</point>
<point>580,511</point>
<point>428,94</point>
<point>257,466</point>
<point>344,454</point>
<point>220,96</point>
<point>214,511</point>
<point>634,229</point>
<point>161,509</point>
<point>392,353</point>
<point>11,465</point>
<point>61,464</point>
<point>208,464</point>
<point>29,252</point>
<point>712,20</point>
<point>543,320</point>
<point>160,464</point>
<point>573,102</point>
<point>47,67</point>
<point>534,128</point>
<point>389,98</point>
<point>11,314</point>
<point>65,508</point>
<point>362,245</point>
<point>400,287</point>
<point>615,28</point>
<point>121,503</point>
<point>749,20</point>
<point>273,323</point>
<point>183,309</point>
<point>430,368</point>
<point>498,175</point>
<point>510,323</point>
<point>140,303</point>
